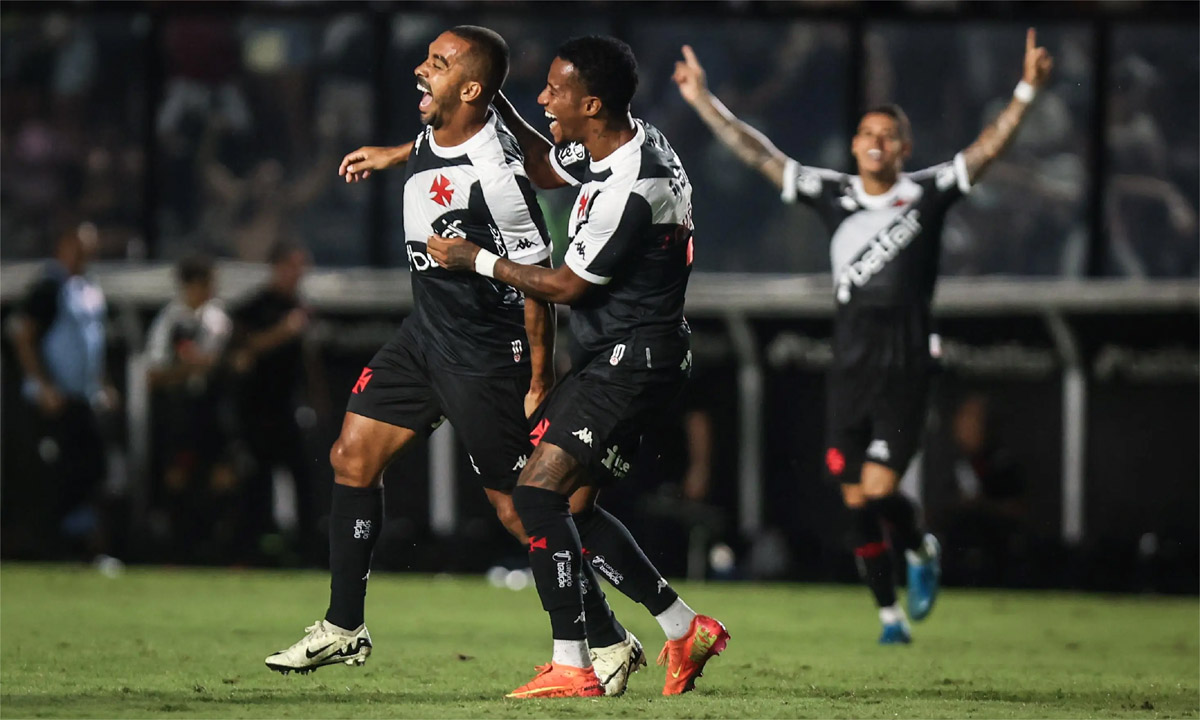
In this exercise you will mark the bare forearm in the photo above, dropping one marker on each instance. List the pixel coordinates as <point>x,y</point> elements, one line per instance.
<point>540,327</point>
<point>750,145</point>
<point>534,145</point>
<point>994,139</point>
<point>537,282</point>
<point>25,346</point>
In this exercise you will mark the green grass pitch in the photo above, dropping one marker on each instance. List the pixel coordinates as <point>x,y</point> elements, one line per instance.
<point>191,643</point>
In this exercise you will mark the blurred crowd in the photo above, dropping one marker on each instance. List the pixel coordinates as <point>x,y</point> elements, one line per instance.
<point>220,132</point>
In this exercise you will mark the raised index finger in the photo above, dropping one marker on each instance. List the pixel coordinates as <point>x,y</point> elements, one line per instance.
<point>689,56</point>
<point>1030,40</point>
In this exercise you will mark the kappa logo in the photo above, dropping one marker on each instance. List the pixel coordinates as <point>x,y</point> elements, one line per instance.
<point>617,353</point>
<point>473,465</point>
<point>521,462</point>
<point>584,435</point>
<point>878,449</point>
<point>363,380</point>
<point>882,249</point>
<point>662,585</point>
<point>580,248</point>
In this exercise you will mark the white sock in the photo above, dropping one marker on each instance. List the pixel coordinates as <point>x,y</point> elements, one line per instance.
<point>676,619</point>
<point>892,614</point>
<point>571,652</point>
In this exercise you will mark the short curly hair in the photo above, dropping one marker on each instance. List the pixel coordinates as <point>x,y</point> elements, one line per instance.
<point>607,68</point>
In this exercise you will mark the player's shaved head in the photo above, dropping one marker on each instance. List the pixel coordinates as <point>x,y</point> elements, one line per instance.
<point>488,58</point>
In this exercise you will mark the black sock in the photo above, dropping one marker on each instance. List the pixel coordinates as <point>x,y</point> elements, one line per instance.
<point>602,626</point>
<point>901,516</point>
<point>554,557</point>
<point>615,555</point>
<point>355,521</point>
<point>871,554</point>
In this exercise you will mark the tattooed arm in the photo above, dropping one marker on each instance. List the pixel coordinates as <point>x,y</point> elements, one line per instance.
<point>750,145</point>
<point>555,285</point>
<point>996,136</point>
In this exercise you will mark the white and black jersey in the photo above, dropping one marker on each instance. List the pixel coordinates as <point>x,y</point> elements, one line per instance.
<point>478,191</point>
<point>884,254</point>
<point>631,236</point>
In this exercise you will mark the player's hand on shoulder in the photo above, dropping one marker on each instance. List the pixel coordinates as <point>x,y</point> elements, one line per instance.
<point>452,253</point>
<point>1038,61</point>
<point>689,76</point>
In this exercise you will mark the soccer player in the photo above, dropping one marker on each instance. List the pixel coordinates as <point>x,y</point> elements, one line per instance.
<point>886,235</point>
<point>473,351</point>
<point>625,276</point>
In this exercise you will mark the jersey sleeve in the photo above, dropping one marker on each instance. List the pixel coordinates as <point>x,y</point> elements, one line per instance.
<point>513,206</point>
<point>946,182</point>
<point>570,161</point>
<point>810,186</point>
<point>41,303</point>
<point>614,222</point>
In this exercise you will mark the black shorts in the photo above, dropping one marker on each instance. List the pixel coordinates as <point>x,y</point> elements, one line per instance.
<point>403,386</point>
<point>873,415</point>
<point>599,413</point>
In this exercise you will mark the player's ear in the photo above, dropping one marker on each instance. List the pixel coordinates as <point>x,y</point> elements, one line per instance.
<point>906,150</point>
<point>471,91</point>
<point>592,106</point>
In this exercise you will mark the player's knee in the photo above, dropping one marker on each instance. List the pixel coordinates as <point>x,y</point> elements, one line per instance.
<point>511,521</point>
<point>350,465</point>
<point>878,481</point>
<point>853,496</point>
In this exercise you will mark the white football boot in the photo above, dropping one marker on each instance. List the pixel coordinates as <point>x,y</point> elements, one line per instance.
<point>615,663</point>
<point>325,644</point>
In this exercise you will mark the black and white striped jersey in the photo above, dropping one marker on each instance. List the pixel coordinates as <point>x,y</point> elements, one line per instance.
<point>479,191</point>
<point>884,254</point>
<point>631,237</point>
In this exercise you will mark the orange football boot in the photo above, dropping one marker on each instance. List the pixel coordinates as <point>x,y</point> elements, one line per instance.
<point>559,681</point>
<point>686,656</point>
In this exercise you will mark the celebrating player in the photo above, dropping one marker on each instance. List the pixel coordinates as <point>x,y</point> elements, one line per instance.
<point>474,350</point>
<point>886,235</point>
<point>625,276</point>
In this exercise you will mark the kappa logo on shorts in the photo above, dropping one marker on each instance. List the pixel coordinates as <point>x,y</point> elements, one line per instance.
<point>535,435</point>
<point>363,380</point>
<point>584,435</point>
<point>879,450</point>
<point>835,461</point>
<point>520,464</point>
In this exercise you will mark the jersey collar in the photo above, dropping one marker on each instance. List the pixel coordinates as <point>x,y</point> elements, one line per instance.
<point>474,142</point>
<point>629,149</point>
<point>902,188</point>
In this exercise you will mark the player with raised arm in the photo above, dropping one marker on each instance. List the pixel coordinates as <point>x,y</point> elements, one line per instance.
<point>886,238</point>
<point>625,276</point>
<point>474,350</point>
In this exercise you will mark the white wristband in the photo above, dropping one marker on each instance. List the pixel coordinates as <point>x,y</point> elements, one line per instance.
<point>485,263</point>
<point>1024,92</point>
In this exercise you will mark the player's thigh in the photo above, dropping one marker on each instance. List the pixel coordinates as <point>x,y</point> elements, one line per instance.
<point>847,429</point>
<point>364,449</point>
<point>488,414</point>
<point>552,468</point>
<point>600,418</point>
<point>897,426</point>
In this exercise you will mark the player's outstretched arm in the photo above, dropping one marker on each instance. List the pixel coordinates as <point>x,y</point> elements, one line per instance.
<point>540,324</point>
<point>996,136</point>
<point>359,165</point>
<point>556,285</point>
<point>533,144</point>
<point>750,145</point>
